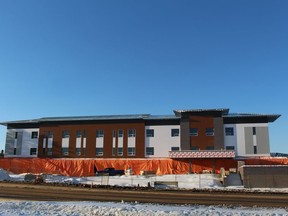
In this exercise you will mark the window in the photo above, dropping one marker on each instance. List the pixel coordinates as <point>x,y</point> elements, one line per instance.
<point>255,149</point>
<point>99,133</point>
<point>193,131</point>
<point>49,151</point>
<point>230,147</point>
<point>44,151</point>
<point>174,132</point>
<point>254,130</point>
<point>34,135</point>
<point>79,134</point>
<point>132,133</point>
<point>65,134</point>
<point>113,151</point>
<point>78,151</point>
<point>14,151</point>
<point>114,133</point>
<point>120,151</point>
<point>16,135</point>
<point>65,151</point>
<point>149,150</point>
<point>229,131</point>
<point>120,133</point>
<point>210,148</point>
<point>84,151</point>
<point>149,133</point>
<point>50,134</point>
<point>175,148</point>
<point>99,151</point>
<point>33,151</point>
<point>194,148</point>
<point>131,151</point>
<point>209,131</point>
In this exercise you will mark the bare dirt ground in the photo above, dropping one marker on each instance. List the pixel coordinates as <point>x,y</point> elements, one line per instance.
<point>49,192</point>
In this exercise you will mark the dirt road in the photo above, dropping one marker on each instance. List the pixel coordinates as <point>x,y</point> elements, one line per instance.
<point>14,191</point>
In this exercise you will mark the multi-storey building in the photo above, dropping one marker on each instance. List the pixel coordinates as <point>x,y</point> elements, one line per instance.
<point>196,133</point>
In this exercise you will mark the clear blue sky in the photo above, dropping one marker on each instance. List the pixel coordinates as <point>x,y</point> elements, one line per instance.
<point>70,58</point>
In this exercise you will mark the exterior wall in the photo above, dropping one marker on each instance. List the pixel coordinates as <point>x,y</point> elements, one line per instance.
<point>246,140</point>
<point>90,142</point>
<point>231,140</point>
<point>23,143</point>
<point>162,140</point>
<point>202,142</point>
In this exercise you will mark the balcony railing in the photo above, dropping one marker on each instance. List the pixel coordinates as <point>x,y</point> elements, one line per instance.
<point>202,154</point>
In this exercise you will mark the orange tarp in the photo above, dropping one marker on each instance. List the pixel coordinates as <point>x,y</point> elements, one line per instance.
<point>87,167</point>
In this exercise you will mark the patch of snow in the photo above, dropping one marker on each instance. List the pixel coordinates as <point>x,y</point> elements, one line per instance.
<point>127,209</point>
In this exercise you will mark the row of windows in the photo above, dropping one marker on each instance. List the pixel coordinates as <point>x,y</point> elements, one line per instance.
<point>229,131</point>
<point>174,132</point>
<point>100,133</point>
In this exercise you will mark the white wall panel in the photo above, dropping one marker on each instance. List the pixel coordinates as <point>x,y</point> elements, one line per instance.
<point>162,140</point>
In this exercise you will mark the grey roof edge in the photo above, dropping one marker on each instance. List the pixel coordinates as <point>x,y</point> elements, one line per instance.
<point>270,117</point>
<point>93,118</point>
<point>223,110</point>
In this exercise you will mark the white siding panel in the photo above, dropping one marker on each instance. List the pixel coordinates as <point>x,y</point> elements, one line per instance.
<point>162,140</point>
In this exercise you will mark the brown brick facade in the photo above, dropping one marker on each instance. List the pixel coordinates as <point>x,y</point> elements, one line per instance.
<point>90,131</point>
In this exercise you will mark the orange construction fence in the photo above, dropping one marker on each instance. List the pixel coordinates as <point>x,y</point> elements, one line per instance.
<point>88,167</point>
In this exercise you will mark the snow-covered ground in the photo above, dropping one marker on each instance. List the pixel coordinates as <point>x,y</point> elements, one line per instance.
<point>9,207</point>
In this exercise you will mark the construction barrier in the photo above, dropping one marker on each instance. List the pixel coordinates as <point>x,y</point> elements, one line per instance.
<point>88,167</point>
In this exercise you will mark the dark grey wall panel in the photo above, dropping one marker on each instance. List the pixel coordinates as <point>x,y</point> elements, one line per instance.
<point>9,146</point>
<point>19,143</point>
<point>249,148</point>
<point>185,137</point>
<point>219,133</point>
<point>262,138</point>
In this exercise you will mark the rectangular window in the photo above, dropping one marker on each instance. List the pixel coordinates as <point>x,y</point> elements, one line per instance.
<point>65,151</point>
<point>84,133</point>
<point>175,148</point>
<point>113,151</point>
<point>210,148</point>
<point>149,150</point>
<point>50,134</point>
<point>120,151</point>
<point>99,133</point>
<point>79,134</point>
<point>33,151</point>
<point>114,133</point>
<point>254,130</point>
<point>209,131</point>
<point>193,131</point>
<point>149,133</point>
<point>65,134</point>
<point>132,133</point>
<point>44,151</point>
<point>16,135</point>
<point>194,148</point>
<point>34,135</point>
<point>78,151</point>
<point>255,149</point>
<point>99,151</point>
<point>131,151</point>
<point>84,152</point>
<point>120,133</point>
<point>229,131</point>
<point>14,151</point>
<point>49,151</point>
<point>174,132</point>
<point>230,147</point>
